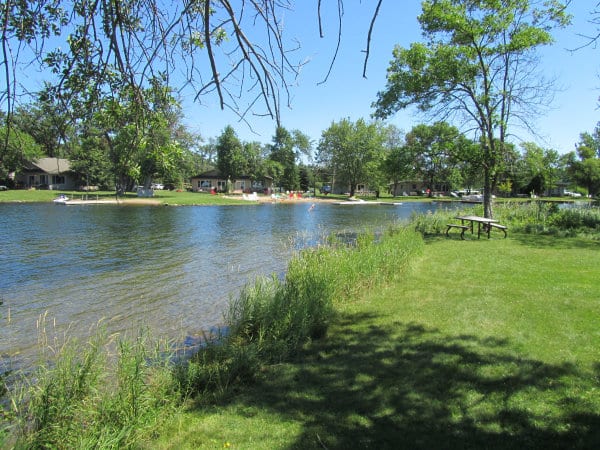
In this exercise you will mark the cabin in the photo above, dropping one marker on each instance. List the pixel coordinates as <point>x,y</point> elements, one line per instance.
<point>47,173</point>
<point>213,181</point>
<point>407,187</point>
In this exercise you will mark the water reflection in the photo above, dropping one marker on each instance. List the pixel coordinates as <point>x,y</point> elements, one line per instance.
<point>170,269</point>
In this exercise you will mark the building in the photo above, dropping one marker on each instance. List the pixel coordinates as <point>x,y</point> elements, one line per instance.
<point>47,173</point>
<point>213,180</point>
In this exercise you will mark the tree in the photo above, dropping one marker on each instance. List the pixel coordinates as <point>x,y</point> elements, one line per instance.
<point>434,149</point>
<point>399,161</point>
<point>540,168</point>
<point>350,149</point>
<point>97,48</point>
<point>477,64</point>
<point>90,160</point>
<point>230,156</point>
<point>49,123</point>
<point>585,167</point>
<point>286,150</point>
<point>16,148</point>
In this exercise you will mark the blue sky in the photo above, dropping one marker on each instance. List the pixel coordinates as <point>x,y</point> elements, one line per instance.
<point>315,106</point>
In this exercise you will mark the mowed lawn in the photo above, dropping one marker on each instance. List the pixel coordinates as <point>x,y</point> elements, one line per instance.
<point>481,344</point>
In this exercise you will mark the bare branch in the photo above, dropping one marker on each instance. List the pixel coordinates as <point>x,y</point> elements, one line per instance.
<point>371,26</point>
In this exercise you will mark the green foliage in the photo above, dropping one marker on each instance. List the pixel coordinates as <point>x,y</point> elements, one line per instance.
<point>16,150</point>
<point>272,320</point>
<point>282,152</point>
<point>584,219</point>
<point>432,224</point>
<point>84,398</point>
<point>230,157</point>
<point>436,150</point>
<point>476,64</point>
<point>585,167</point>
<point>349,150</point>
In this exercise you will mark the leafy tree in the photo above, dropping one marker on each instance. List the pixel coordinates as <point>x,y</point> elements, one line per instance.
<point>230,156</point>
<point>91,160</point>
<point>49,124</point>
<point>540,167</point>
<point>477,64</point>
<point>434,149</point>
<point>351,149</point>
<point>398,164</point>
<point>585,167</point>
<point>286,149</point>
<point>16,148</point>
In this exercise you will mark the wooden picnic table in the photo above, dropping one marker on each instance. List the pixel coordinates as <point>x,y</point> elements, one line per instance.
<point>487,223</point>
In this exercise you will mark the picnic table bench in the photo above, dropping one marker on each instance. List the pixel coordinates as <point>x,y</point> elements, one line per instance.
<point>462,228</point>
<point>482,222</point>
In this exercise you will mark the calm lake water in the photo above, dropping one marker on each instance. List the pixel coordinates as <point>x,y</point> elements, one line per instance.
<point>170,269</point>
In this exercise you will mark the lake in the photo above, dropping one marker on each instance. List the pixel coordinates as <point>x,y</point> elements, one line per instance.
<point>66,269</point>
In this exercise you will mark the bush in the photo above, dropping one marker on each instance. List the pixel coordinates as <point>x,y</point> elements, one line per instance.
<point>577,218</point>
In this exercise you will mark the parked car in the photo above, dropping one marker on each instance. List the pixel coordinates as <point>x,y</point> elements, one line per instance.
<point>325,189</point>
<point>572,194</point>
<point>157,186</point>
<point>3,188</point>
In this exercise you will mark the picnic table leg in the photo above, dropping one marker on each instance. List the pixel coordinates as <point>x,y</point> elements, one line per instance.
<point>462,222</point>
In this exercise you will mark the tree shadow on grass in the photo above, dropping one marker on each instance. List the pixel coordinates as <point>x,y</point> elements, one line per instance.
<point>405,386</point>
<point>557,242</point>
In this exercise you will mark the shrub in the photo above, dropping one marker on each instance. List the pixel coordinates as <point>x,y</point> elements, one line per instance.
<point>577,218</point>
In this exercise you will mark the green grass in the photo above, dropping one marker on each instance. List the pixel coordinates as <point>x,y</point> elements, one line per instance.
<point>481,344</point>
<point>394,342</point>
<point>164,197</point>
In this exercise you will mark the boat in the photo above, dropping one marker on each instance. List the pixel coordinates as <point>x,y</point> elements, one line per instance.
<point>61,199</point>
<point>474,198</point>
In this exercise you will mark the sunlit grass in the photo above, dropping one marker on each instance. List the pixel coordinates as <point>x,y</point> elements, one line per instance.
<point>392,342</point>
<point>480,344</point>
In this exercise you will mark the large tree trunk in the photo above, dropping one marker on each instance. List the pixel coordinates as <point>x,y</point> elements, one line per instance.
<point>487,193</point>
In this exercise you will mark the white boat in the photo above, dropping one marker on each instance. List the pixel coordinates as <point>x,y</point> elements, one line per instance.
<point>61,200</point>
<point>475,198</point>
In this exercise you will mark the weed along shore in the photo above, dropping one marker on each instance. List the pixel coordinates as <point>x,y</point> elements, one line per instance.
<point>410,340</point>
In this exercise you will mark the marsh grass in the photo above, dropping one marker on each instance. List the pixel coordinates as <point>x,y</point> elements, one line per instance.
<point>104,393</point>
<point>272,319</point>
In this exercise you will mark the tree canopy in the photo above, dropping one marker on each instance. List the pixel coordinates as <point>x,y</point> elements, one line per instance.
<point>352,151</point>
<point>476,65</point>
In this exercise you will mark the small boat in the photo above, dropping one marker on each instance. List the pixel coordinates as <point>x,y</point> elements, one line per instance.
<point>475,198</point>
<point>61,200</point>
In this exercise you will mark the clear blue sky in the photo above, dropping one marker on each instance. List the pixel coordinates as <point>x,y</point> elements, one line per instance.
<point>347,94</point>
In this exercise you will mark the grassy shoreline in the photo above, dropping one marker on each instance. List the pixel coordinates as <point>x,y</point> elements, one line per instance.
<point>185,198</point>
<point>400,342</point>
<point>480,344</point>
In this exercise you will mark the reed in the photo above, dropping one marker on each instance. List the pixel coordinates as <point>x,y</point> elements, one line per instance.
<point>101,394</point>
<point>273,319</point>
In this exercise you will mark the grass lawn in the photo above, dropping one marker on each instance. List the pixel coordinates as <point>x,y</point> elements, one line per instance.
<point>161,197</point>
<point>481,344</point>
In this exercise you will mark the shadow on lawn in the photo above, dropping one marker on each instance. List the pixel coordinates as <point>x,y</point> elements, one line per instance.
<point>409,387</point>
<point>543,241</point>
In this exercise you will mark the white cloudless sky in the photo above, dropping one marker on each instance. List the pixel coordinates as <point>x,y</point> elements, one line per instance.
<point>346,94</point>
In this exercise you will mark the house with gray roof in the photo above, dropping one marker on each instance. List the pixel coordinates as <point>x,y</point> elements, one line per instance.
<point>47,173</point>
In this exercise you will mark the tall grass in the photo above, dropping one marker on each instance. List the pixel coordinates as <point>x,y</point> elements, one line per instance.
<point>536,217</point>
<point>88,397</point>
<point>113,393</point>
<point>272,319</point>
<point>547,218</point>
